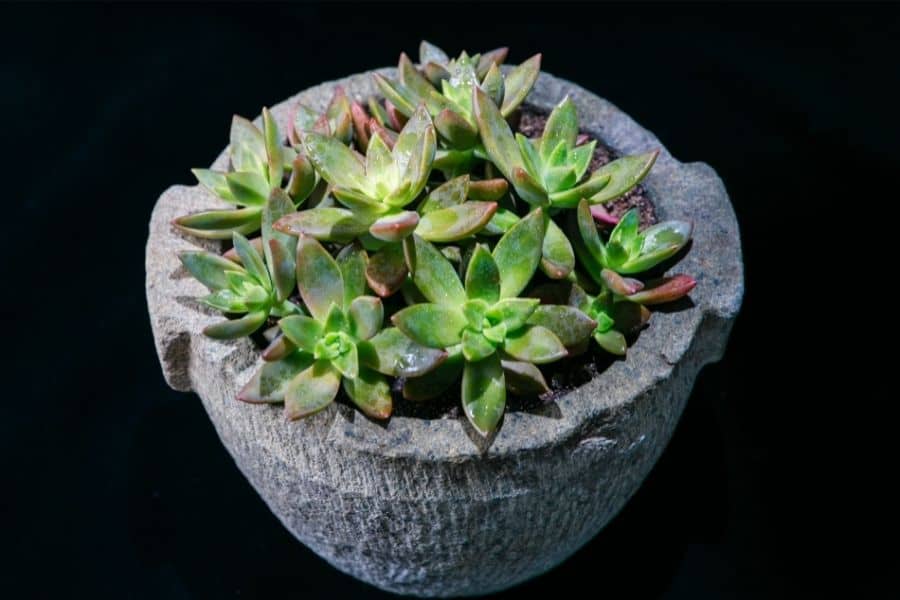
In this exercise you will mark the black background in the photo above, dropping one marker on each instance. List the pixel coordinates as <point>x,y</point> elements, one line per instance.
<point>116,486</point>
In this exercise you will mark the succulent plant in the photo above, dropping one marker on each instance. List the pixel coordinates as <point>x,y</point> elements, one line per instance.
<point>376,191</point>
<point>254,286</point>
<point>549,172</point>
<point>484,327</point>
<point>407,196</point>
<point>451,104</point>
<point>620,306</point>
<point>340,341</point>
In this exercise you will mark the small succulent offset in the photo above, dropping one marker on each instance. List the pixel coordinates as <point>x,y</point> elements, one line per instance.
<point>359,202</point>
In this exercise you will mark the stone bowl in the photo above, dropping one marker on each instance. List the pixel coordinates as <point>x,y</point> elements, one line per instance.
<point>413,506</point>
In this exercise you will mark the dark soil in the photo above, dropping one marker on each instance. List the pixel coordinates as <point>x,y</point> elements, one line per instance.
<point>531,124</point>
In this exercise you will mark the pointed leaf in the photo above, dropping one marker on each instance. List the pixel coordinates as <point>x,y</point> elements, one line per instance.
<point>433,274</point>
<point>530,190</point>
<point>371,393</point>
<point>430,53</point>
<point>394,227</point>
<point>660,242</point>
<point>279,348</point>
<point>303,179</point>
<point>237,328</point>
<point>398,94</point>
<point>318,277</point>
<point>518,253</point>
<point>352,261</point>
<point>455,129</point>
<point>393,353</point>
<point>251,260</point>
<point>580,158</point>
<point>414,150</point>
<point>247,148</point>
<point>482,276</point>
<point>663,290</point>
<point>226,301</point>
<point>311,390</point>
<point>568,323</point>
<point>535,344</point>
<point>501,222</point>
<point>623,286</point>
<point>625,233</point>
<point>327,224</point>
<point>347,363</point>
<point>208,268</point>
<point>496,135</point>
<point>412,79</point>
<point>624,174</point>
<point>561,128</point>
<point>557,255</point>
<point>380,164</point>
<point>493,84</point>
<point>339,165</point>
<point>612,341</point>
<point>456,222</point>
<point>571,197</point>
<point>386,270</point>
<point>274,157</point>
<point>519,82</point>
<point>271,380</point>
<point>360,125</point>
<point>523,378</point>
<point>248,189</point>
<point>279,248</point>
<point>216,183</point>
<point>595,257</point>
<point>491,57</point>
<point>484,393</point>
<point>304,120</point>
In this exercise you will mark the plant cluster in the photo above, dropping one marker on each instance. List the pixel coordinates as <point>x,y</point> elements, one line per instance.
<point>427,196</point>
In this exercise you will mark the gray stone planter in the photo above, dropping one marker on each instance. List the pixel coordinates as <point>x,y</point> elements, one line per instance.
<point>414,507</point>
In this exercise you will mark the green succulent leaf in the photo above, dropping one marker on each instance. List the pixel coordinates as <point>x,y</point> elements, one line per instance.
<point>352,262</point>
<point>518,253</point>
<point>220,224</point>
<point>625,234</point>
<point>366,316</point>
<point>386,270</point>
<point>580,158</point>
<point>208,268</point>
<point>414,151</point>
<point>380,169</point>
<point>339,165</point>
<point>279,348</point>
<point>330,224</point>
<point>432,325</point>
<point>280,249</point>
<point>557,255</point>
<point>274,156</point>
<point>528,188</point>
<point>393,353</point>
<point>535,344</point>
<point>237,328</point>
<point>226,301</point>
<point>311,390</point>
<point>448,194</point>
<point>496,135</point>
<point>659,242</point>
<point>395,226</point>
<point>487,190</point>
<point>247,189</point>
<point>571,197</point>
<point>302,331</point>
<point>318,277</point>
<point>492,57</point>
<point>455,129</point>
<point>247,147</point>
<point>512,312</point>
<point>475,346</point>
<point>482,276</point>
<point>519,82</point>
<point>591,250</point>
<point>371,393</point>
<point>612,341</point>
<point>455,222</point>
<point>432,273</point>
<point>561,128</point>
<point>624,173</point>
<point>347,362</point>
<point>397,93</point>
<point>271,380</point>
<point>484,393</point>
<point>378,112</point>
<point>617,284</point>
<point>216,183</point>
<point>430,53</point>
<point>303,178</point>
<point>569,324</point>
<point>251,260</point>
<point>523,378</point>
<point>501,222</point>
<point>493,84</point>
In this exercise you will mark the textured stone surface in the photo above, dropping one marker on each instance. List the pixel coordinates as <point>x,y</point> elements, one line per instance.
<point>414,506</point>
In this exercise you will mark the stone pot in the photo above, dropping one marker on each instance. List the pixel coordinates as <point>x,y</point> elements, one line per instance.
<point>414,506</point>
